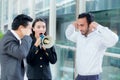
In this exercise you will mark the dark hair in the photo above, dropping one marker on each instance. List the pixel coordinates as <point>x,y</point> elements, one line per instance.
<point>21,19</point>
<point>89,17</point>
<point>34,22</point>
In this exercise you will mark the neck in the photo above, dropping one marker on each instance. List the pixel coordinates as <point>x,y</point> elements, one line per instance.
<point>88,32</point>
<point>35,36</point>
<point>19,34</point>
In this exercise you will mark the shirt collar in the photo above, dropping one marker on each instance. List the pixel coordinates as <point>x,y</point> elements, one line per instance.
<point>16,35</point>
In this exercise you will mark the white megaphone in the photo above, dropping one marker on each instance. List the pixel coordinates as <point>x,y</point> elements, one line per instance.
<point>46,41</point>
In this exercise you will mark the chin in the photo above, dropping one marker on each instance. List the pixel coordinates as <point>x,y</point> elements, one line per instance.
<point>83,33</point>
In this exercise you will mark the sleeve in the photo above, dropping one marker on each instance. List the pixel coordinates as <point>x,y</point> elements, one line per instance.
<point>32,54</point>
<point>19,51</point>
<point>51,55</point>
<point>108,38</point>
<point>71,34</point>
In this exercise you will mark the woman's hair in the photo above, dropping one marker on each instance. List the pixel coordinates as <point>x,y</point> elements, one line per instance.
<point>34,22</point>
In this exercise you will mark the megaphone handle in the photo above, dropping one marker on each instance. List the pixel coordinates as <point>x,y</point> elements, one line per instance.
<point>40,46</point>
<point>41,43</point>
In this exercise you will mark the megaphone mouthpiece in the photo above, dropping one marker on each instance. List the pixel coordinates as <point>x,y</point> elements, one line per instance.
<point>47,42</point>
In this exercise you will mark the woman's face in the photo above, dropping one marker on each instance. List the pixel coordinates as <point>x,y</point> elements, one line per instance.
<point>39,28</point>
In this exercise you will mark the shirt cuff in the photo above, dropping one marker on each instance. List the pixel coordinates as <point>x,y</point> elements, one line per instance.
<point>99,29</point>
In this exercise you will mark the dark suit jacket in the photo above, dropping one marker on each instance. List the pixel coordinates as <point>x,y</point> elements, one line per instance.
<point>38,62</point>
<point>12,54</point>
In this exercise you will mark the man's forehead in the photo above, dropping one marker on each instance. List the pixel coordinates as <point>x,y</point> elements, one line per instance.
<point>82,19</point>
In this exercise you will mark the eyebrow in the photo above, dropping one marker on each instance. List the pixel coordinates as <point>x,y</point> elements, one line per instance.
<point>80,24</point>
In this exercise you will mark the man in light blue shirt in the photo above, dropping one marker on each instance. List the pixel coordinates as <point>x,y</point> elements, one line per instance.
<point>92,39</point>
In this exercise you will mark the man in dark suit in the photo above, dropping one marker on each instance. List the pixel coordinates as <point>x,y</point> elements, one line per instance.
<point>14,47</point>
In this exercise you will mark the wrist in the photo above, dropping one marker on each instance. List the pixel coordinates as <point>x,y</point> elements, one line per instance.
<point>44,48</point>
<point>36,45</point>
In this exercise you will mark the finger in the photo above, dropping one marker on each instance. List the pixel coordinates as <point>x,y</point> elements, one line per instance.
<point>43,48</point>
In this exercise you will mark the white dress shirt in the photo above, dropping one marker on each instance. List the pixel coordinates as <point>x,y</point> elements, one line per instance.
<point>90,49</point>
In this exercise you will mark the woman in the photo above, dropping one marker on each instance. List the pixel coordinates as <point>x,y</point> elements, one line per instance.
<point>39,57</point>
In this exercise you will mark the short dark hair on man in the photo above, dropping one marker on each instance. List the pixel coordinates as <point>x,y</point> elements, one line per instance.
<point>89,17</point>
<point>21,19</point>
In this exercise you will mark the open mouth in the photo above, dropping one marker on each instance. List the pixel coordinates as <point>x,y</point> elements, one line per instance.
<point>40,33</point>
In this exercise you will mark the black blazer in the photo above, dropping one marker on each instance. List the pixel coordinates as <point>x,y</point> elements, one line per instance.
<point>38,62</point>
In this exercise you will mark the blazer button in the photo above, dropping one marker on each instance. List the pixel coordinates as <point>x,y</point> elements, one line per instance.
<point>41,58</point>
<point>41,66</point>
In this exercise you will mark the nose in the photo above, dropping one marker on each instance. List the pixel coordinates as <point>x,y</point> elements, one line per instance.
<point>79,28</point>
<point>41,30</point>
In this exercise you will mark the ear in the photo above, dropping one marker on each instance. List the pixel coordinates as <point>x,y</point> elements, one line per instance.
<point>20,27</point>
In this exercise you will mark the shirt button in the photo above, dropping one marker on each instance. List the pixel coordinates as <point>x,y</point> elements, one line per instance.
<point>41,66</point>
<point>41,58</point>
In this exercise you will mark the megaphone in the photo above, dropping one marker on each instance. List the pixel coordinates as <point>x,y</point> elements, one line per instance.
<point>46,41</point>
